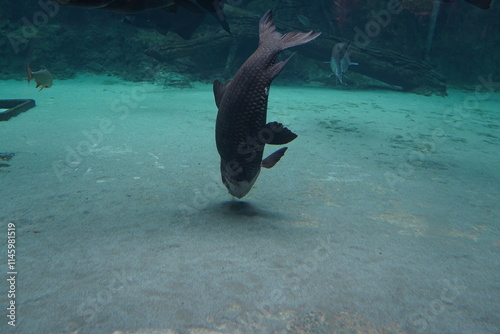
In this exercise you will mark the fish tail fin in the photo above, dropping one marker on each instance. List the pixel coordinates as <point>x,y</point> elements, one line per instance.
<point>28,71</point>
<point>269,35</point>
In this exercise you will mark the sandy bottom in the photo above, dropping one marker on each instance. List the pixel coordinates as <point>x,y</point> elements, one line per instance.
<point>382,217</point>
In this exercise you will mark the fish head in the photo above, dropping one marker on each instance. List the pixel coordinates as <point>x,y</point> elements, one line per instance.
<point>338,51</point>
<point>236,188</point>
<point>232,178</point>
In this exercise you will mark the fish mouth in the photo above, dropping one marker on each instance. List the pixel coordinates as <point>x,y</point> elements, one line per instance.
<point>237,188</point>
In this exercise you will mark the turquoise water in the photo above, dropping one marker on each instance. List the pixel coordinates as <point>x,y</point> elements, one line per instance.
<point>382,215</point>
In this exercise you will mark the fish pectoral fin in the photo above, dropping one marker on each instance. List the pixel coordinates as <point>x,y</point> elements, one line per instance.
<point>277,134</point>
<point>219,89</point>
<point>275,69</point>
<point>162,30</point>
<point>271,160</point>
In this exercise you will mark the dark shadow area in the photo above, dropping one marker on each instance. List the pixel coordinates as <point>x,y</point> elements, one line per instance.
<point>239,208</point>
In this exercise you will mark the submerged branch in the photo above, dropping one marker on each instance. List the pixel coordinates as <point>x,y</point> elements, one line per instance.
<point>387,66</point>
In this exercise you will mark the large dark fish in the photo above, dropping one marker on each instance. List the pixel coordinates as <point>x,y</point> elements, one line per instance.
<point>179,16</point>
<point>241,130</point>
<point>120,6</point>
<point>183,22</point>
<point>483,4</point>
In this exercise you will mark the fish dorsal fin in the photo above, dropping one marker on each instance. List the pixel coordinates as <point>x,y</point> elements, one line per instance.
<point>219,89</point>
<point>271,160</point>
<point>278,134</point>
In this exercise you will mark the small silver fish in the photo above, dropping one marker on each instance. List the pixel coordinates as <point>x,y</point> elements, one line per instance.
<point>340,60</point>
<point>43,78</point>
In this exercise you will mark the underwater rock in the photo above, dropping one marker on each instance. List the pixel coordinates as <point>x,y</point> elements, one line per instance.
<point>5,157</point>
<point>387,66</point>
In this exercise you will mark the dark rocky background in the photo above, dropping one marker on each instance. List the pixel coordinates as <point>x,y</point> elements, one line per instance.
<point>74,40</point>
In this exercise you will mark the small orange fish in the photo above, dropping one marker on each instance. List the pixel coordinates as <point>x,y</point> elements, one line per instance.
<point>43,78</point>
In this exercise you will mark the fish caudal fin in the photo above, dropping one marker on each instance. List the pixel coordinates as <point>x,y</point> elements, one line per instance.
<point>269,36</point>
<point>28,71</point>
